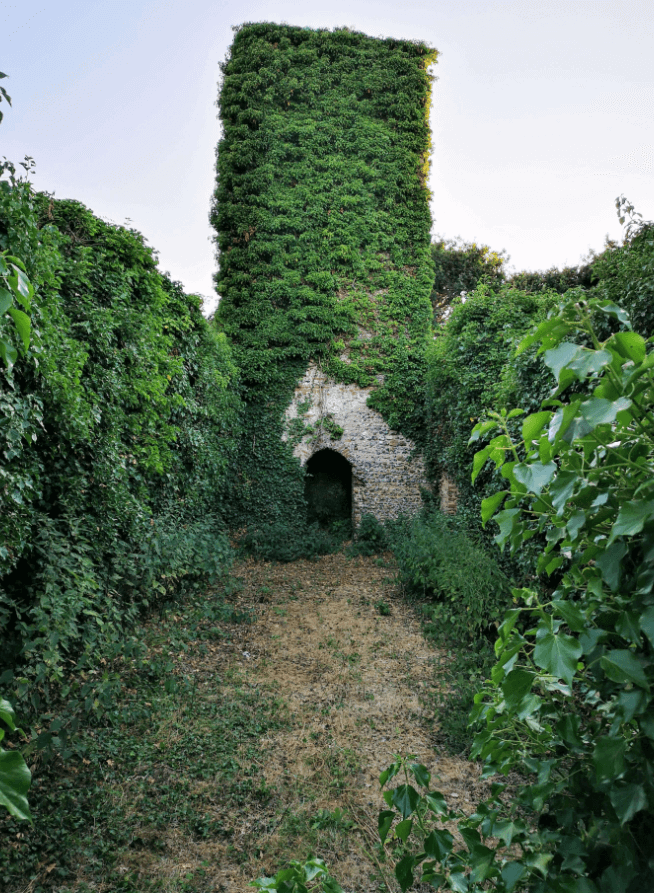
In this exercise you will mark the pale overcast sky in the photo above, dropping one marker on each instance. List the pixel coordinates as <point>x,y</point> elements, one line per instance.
<point>542,114</point>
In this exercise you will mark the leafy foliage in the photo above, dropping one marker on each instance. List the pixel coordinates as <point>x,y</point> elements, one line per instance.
<point>569,701</point>
<point>117,426</point>
<point>322,227</point>
<point>465,588</point>
<point>459,267</point>
<point>300,877</point>
<point>284,542</point>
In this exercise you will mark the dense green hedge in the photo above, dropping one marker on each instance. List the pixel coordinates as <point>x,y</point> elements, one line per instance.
<point>322,221</point>
<point>116,430</point>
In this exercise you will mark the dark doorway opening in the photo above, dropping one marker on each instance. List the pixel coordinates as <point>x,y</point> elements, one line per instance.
<point>328,488</point>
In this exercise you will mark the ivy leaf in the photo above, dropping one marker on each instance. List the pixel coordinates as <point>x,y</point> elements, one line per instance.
<point>646,623</point>
<point>608,757</point>
<point>512,873</point>
<point>22,323</point>
<point>627,800</point>
<point>621,665</point>
<point>516,685</point>
<point>570,613</point>
<point>610,564</point>
<point>562,488</point>
<point>557,653</point>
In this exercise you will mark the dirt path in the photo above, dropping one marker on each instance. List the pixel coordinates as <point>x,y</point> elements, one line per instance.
<point>334,640</point>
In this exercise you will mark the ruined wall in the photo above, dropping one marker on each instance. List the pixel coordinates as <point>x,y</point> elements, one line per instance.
<point>326,414</point>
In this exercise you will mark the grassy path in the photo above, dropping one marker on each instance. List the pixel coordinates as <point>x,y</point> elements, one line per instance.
<point>246,744</point>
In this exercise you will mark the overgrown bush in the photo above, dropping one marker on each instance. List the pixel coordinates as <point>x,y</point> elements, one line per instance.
<point>569,702</point>
<point>371,537</point>
<point>283,542</point>
<point>466,590</point>
<point>117,427</point>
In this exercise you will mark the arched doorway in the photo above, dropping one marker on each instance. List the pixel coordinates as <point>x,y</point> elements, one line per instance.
<point>328,487</point>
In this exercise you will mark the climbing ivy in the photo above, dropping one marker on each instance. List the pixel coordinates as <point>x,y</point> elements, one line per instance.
<point>322,220</point>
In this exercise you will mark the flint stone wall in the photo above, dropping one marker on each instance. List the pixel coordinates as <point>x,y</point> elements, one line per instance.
<point>386,480</point>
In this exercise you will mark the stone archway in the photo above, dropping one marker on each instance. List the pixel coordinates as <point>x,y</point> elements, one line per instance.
<point>328,487</point>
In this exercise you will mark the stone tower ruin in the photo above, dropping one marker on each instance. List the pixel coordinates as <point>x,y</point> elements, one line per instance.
<point>323,230</point>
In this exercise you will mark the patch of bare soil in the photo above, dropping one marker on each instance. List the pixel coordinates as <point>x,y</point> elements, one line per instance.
<point>334,640</point>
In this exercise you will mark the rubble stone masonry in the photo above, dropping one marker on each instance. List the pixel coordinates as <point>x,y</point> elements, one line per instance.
<point>386,475</point>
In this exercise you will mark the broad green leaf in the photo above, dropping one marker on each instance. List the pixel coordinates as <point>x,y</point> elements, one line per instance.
<point>512,873</point>
<point>533,425</point>
<point>459,882</point>
<point>6,300</point>
<point>436,802</point>
<point>481,860</point>
<point>562,488</point>
<point>22,323</point>
<point>599,411</point>
<point>561,420</point>
<point>403,829</point>
<point>630,345</point>
<point>559,357</point>
<point>612,309</point>
<point>571,613</point>
<point>646,623</point>
<point>421,774</point>
<point>7,714</point>
<point>384,822</point>
<point>631,518</point>
<point>610,564</point>
<point>627,800</point>
<point>515,413</point>
<point>621,665</point>
<point>506,519</point>
<point>568,728</point>
<point>8,353</point>
<point>404,872</point>
<point>480,429</point>
<point>517,684</point>
<point>558,655</point>
<point>549,332</point>
<point>535,476</point>
<point>479,460</point>
<point>589,362</point>
<point>626,625</point>
<point>490,505</point>
<point>575,523</point>
<point>608,757</point>
<point>405,799</point>
<point>15,779</point>
<point>438,844</point>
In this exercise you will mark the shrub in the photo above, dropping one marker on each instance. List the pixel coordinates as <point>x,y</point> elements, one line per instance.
<point>466,590</point>
<point>282,542</point>
<point>569,704</point>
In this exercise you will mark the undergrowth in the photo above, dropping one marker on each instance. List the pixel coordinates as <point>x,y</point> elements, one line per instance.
<point>134,780</point>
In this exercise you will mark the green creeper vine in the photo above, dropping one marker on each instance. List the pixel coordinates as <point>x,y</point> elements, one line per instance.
<point>322,221</point>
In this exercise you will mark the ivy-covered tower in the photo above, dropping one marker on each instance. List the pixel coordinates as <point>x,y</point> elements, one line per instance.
<point>323,232</point>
